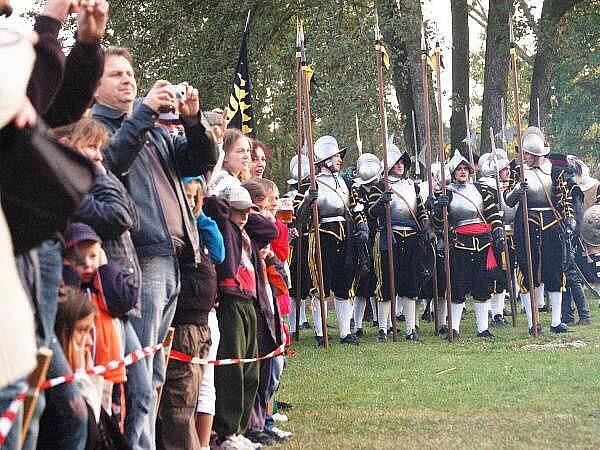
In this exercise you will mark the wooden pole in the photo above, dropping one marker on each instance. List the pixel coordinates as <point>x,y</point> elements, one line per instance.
<point>313,185</point>
<point>167,343</point>
<point>506,255</point>
<point>438,58</point>
<point>299,143</point>
<point>429,158</point>
<point>37,377</point>
<point>386,168</point>
<point>524,206</point>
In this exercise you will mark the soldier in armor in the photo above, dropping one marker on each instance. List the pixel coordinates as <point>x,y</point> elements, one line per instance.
<point>340,226</point>
<point>477,238</point>
<point>410,223</point>
<point>551,220</point>
<point>490,166</point>
<point>584,264</point>
<point>368,168</point>
<point>298,294</point>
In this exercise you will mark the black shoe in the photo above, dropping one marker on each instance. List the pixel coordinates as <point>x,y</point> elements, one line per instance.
<point>443,329</point>
<point>359,333</point>
<point>567,321</point>
<point>427,316</point>
<point>560,328</point>
<point>499,321</point>
<point>259,437</point>
<point>413,336</point>
<point>350,340</point>
<point>305,326</point>
<point>401,318</point>
<point>584,322</point>
<point>543,308</point>
<point>319,341</point>
<point>486,334</point>
<point>381,337</point>
<point>284,406</point>
<point>539,330</point>
<point>455,334</point>
<point>375,323</point>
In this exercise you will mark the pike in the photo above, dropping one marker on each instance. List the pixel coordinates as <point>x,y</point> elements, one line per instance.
<point>299,144</point>
<point>388,217</point>
<point>469,146</point>
<point>417,165</point>
<point>503,118</point>
<point>438,57</point>
<point>358,141</point>
<point>505,254</point>
<point>523,201</point>
<point>428,159</point>
<point>313,181</point>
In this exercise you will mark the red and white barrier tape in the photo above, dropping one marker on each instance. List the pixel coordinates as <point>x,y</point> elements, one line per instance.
<point>223,362</point>
<point>7,419</point>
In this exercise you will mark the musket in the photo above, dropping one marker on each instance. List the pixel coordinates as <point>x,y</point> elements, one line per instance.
<point>506,254</point>
<point>428,161</point>
<point>524,207</point>
<point>469,146</point>
<point>299,144</point>
<point>416,145</point>
<point>358,141</point>
<point>438,56</point>
<point>386,182</point>
<point>313,182</point>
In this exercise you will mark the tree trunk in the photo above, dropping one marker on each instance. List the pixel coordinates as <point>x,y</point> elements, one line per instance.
<point>547,40</point>
<point>460,74</point>
<point>495,79</point>
<point>401,30</point>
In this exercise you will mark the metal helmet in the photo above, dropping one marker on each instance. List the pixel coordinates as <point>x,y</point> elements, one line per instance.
<point>305,169</point>
<point>456,160</point>
<point>394,154</point>
<point>590,225</point>
<point>368,168</point>
<point>325,147</point>
<point>532,142</point>
<point>487,164</point>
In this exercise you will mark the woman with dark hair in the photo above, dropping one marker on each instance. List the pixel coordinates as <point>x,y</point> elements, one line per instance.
<point>260,155</point>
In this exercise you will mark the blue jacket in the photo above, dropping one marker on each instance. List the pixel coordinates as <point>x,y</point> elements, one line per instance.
<point>181,156</point>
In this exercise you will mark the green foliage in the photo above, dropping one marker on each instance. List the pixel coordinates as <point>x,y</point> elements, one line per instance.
<point>575,121</point>
<point>199,42</point>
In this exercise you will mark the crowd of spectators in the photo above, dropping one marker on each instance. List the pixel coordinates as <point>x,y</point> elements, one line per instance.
<point>123,215</point>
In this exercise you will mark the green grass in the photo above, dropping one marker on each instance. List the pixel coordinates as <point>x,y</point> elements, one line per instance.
<point>498,395</point>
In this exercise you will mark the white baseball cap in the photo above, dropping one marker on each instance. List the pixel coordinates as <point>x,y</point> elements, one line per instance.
<point>239,198</point>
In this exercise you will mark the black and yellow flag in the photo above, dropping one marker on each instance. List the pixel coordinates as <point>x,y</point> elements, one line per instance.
<point>239,109</point>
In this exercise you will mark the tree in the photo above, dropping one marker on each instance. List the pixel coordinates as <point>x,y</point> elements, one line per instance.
<point>460,73</point>
<point>496,68</point>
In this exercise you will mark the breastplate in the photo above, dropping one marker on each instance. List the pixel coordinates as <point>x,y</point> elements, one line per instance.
<point>466,205</point>
<point>333,195</point>
<point>404,199</point>
<point>539,184</point>
<point>507,213</point>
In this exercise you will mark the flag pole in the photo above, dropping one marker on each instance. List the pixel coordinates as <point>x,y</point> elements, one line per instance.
<point>386,183</point>
<point>438,58</point>
<point>313,183</point>
<point>429,159</point>
<point>506,254</point>
<point>524,206</point>
<point>299,143</point>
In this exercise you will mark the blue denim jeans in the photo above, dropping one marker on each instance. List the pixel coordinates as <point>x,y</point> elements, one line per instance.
<point>138,394</point>
<point>277,365</point>
<point>63,424</point>
<point>7,395</point>
<point>160,288</point>
<point>50,266</point>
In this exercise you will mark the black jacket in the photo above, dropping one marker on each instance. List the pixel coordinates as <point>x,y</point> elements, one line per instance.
<point>110,211</point>
<point>127,158</point>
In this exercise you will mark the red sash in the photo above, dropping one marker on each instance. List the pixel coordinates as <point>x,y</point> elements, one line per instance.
<point>481,228</point>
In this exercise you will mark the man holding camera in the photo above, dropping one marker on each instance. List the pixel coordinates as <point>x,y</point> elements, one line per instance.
<point>151,164</point>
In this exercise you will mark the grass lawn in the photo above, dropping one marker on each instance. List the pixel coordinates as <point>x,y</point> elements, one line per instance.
<point>497,394</point>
